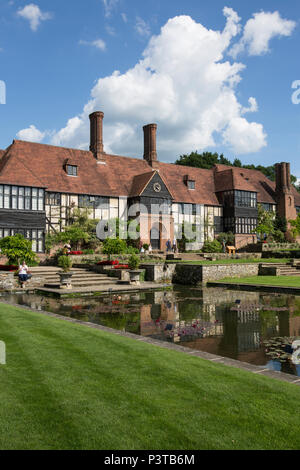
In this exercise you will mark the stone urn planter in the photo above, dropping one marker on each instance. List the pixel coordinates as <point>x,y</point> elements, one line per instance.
<point>66,274</point>
<point>65,280</point>
<point>134,272</point>
<point>134,275</point>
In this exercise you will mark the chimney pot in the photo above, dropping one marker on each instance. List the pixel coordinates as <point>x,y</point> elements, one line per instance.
<point>96,135</point>
<point>150,153</point>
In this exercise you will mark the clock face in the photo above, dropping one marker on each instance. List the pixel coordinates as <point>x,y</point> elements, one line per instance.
<point>157,187</point>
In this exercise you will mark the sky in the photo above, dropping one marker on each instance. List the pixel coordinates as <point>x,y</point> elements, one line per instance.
<point>219,76</point>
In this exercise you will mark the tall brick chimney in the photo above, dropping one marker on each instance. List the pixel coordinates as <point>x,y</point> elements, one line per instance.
<point>284,194</point>
<point>96,139</point>
<point>150,153</point>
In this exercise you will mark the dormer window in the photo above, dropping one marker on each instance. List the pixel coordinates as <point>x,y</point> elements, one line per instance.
<point>191,184</point>
<point>72,170</point>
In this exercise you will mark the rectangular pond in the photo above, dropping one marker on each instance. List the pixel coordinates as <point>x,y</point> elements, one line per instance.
<point>252,327</point>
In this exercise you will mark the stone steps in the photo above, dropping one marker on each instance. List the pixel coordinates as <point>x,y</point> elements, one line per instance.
<point>289,272</point>
<point>81,277</point>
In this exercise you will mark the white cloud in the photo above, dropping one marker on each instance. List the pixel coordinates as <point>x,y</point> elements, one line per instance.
<point>110,30</point>
<point>109,6</point>
<point>253,106</point>
<point>34,15</point>
<point>244,137</point>
<point>98,43</point>
<point>124,17</point>
<point>31,134</point>
<point>184,84</point>
<point>70,132</point>
<point>142,28</point>
<point>259,31</point>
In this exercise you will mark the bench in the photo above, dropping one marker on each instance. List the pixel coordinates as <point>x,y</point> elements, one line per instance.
<point>231,249</point>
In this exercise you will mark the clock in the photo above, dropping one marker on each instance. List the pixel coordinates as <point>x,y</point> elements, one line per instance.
<point>157,187</point>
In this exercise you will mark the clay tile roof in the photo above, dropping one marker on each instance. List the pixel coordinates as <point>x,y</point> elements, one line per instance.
<point>40,165</point>
<point>139,182</point>
<point>247,180</point>
<point>233,178</point>
<point>204,192</point>
<point>32,164</point>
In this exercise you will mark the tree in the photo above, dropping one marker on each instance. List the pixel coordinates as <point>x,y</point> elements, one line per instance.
<point>295,226</point>
<point>237,163</point>
<point>17,249</point>
<point>207,160</point>
<point>228,237</point>
<point>281,224</point>
<point>204,160</point>
<point>81,231</point>
<point>265,222</point>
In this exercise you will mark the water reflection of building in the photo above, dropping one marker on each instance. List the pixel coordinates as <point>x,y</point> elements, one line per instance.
<point>200,319</point>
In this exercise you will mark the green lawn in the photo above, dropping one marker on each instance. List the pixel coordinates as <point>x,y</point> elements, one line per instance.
<point>234,261</point>
<point>67,386</point>
<point>282,281</point>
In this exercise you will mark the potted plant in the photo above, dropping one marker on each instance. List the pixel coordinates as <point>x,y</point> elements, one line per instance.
<point>146,248</point>
<point>134,271</point>
<point>65,263</point>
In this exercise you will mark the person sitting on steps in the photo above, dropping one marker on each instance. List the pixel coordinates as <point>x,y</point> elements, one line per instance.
<point>23,274</point>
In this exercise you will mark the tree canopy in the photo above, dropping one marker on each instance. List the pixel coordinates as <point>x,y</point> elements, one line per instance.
<point>207,160</point>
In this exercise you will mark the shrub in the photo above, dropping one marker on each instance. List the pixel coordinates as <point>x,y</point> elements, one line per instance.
<point>279,236</point>
<point>65,263</point>
<point>88,251</point>
<point>131,250</point>
<point>17,249</point>
<point>228,237</point>
<point>114,246</point>
<point>212,247</point>
<point>146,246</point>
<point>134,262</point>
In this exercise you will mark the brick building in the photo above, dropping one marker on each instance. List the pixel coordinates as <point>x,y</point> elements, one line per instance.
<point>40,184</point>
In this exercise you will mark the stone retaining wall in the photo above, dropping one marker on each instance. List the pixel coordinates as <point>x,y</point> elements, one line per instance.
<point>188,274</point>
<point>10,281</point>
<point>269,271</point>
<point>215,256</point>
<point>280,246</point>
<point>159,272</point>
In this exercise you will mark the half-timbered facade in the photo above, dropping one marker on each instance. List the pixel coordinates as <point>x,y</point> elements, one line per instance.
<point>41,184</point>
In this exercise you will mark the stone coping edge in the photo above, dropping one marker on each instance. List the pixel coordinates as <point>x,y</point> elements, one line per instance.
<point>254,287</point>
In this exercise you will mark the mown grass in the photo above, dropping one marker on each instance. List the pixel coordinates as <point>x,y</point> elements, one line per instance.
<point>67,386</point>
<point>233,261</point>
<point>278,281</point>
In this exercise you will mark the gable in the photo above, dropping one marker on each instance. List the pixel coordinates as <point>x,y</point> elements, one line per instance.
<point>156,188</point>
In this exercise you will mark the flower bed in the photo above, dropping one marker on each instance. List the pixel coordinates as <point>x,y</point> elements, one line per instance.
<point>108,263</point>
<point>75,253</point>
<point>9,268</point>
<point>121,266</point>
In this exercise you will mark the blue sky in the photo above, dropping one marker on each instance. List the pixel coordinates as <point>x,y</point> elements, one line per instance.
<point>193,75</point>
